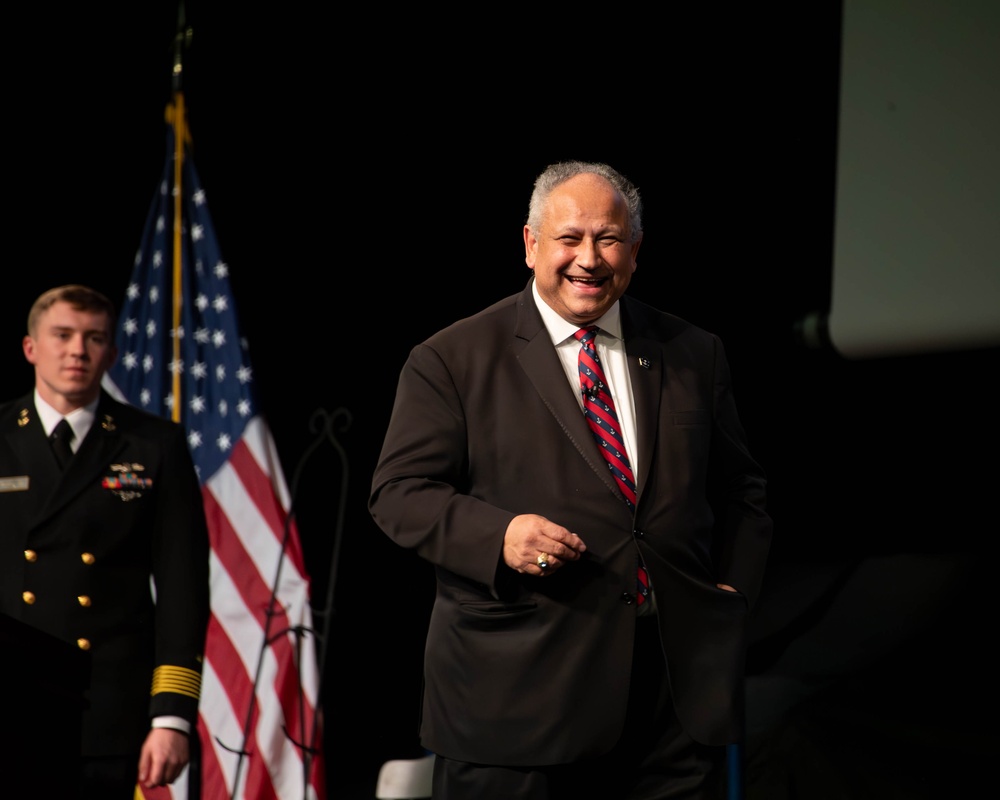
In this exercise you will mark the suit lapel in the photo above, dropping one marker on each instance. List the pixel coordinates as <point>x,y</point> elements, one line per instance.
<point>541,365</point>
<point>90,464</point>
<point>87,467</point>
<point>645,371</point>
<point>644,359</point>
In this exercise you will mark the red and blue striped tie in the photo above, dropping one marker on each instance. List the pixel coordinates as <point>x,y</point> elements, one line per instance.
<point>599,409</point>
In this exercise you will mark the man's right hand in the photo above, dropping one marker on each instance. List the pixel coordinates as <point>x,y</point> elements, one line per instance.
<point>530,537</point>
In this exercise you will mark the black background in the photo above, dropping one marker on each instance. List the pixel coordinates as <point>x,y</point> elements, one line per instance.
<point>368,173</point>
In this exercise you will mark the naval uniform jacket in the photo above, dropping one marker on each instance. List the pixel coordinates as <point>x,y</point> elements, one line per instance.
<point>78,550</point>
<point>522,670</point>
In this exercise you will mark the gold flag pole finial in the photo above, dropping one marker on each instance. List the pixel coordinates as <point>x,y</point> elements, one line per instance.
<point>181,41</point>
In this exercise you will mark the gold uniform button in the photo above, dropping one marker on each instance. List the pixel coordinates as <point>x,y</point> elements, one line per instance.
<point>28,597</point>
<point>87,558</point>
<point>83,600</point>
<point>83,644</point>
<point>30,555</point>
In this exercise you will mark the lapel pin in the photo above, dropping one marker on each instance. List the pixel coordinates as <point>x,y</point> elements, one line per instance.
<point>643,362</point>
<point>23,418</point>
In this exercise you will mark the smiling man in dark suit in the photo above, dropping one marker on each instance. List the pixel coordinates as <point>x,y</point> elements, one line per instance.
<point>541,477</point>
<point>109,551</point>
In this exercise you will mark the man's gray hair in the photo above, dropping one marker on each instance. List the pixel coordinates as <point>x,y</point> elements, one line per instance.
<point>559,173</point>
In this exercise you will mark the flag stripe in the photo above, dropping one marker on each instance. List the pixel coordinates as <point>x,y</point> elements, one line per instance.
<point>248,586</point>
<point>262,492</point>
<point>236,556</point>
<point>230,688</point>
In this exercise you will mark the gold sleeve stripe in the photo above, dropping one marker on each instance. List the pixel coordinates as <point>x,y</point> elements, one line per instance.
<point>178,680</point>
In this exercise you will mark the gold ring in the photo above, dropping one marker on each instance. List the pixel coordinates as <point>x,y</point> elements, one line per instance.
<point>543,560</point>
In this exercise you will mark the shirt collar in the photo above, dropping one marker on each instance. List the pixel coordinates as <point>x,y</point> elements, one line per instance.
<point>80,419</point>
<point>560,329</point>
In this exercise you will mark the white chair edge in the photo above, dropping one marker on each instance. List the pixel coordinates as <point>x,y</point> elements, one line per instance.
<point>405,778</point>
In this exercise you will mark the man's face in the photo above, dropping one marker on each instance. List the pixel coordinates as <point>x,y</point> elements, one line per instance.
<point>582,259</point>
<point>71,350</point>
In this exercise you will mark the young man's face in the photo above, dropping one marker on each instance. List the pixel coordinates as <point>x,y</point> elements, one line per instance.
<point>71,350</point>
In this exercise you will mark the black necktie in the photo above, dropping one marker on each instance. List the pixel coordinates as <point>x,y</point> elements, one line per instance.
<point>61,437</point>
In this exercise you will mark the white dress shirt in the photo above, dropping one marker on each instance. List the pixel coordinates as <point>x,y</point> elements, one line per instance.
<point>611,352</point>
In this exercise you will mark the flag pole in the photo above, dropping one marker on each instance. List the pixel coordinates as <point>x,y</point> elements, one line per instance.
<point>176,116</point>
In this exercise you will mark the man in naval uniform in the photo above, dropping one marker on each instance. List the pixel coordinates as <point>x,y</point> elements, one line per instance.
<point>108,551</point>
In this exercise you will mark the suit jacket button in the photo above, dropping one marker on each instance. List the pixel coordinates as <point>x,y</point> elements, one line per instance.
<point>87,558</point>
<point>627,598</point>
<point>83,600</point>
<point>83,644</point>
<point>30,555</point>
<point>28,597</point>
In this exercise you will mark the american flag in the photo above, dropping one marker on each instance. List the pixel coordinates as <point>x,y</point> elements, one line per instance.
<point>180,355</point>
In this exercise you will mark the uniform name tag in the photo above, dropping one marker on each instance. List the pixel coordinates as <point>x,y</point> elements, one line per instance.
<point>17,483</point>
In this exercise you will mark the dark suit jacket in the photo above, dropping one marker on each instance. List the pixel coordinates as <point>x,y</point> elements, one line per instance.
<point>521,670</point>
<point>82,546</point>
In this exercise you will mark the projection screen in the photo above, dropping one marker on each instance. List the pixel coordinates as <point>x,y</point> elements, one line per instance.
<point>916,238</point>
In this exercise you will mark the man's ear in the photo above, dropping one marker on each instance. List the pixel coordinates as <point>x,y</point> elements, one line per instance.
<point>530,247</point>
<point>635,253</point>
<point>28,346</point>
